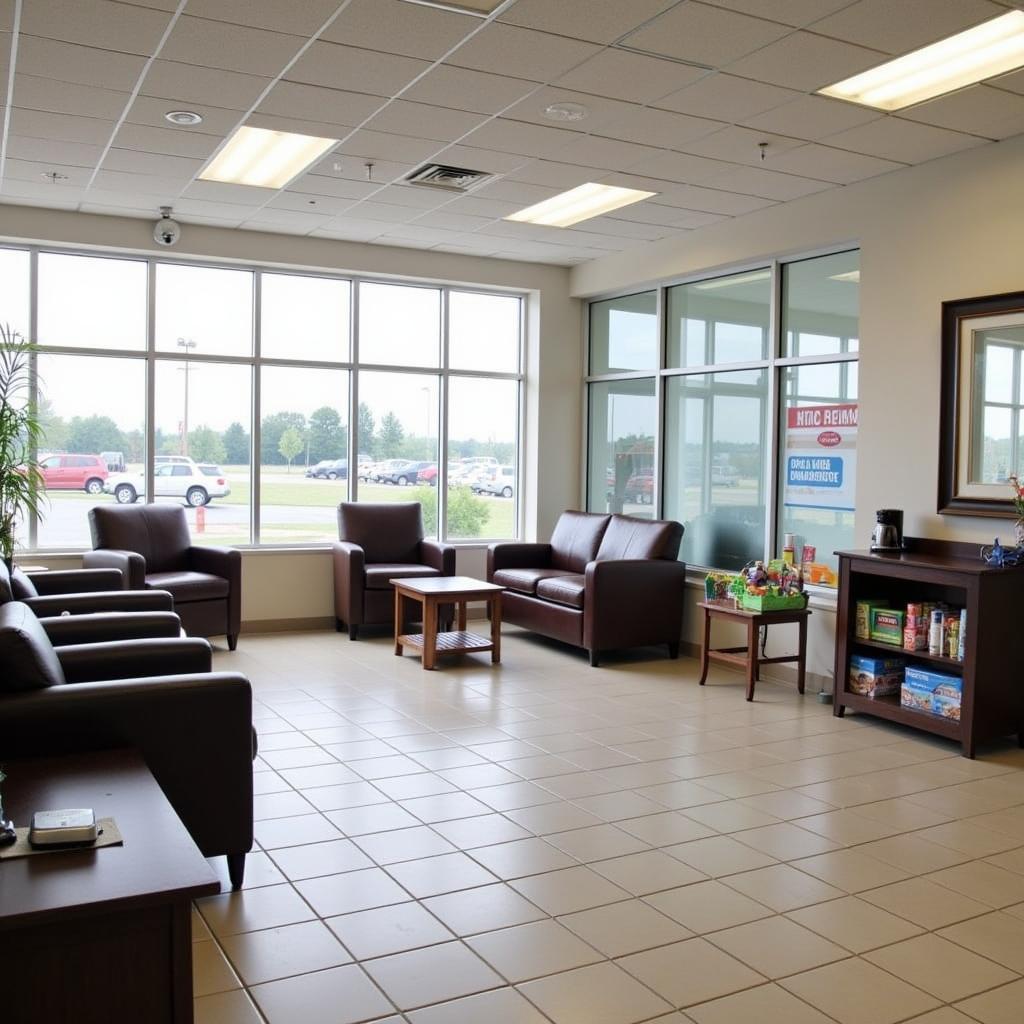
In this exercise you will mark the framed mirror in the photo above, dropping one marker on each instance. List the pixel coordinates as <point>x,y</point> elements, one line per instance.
<point>981,434</point>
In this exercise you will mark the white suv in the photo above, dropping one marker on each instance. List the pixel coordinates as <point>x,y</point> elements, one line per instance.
<point>175,477</point>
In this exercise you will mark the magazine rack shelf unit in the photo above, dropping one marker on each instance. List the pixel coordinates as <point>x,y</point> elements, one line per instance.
<point>933,570</point>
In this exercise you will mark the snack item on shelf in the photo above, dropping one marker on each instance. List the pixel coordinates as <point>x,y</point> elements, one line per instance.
<point>916,696</point>
<point>875,677</point>
<point>914,639</point>
<point>935,692</point>
<point>936,631</point>
<point>887,626</point>
<point>963,634</point>
<point>863,615</point>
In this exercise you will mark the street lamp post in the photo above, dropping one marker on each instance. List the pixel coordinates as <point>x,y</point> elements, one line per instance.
<point>187,344</point>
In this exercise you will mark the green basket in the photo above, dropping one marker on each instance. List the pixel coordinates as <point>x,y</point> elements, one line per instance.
<point>772,602</point>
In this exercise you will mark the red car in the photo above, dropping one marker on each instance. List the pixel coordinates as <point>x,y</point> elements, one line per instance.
<point>428,475</point>
<point>74,473</point>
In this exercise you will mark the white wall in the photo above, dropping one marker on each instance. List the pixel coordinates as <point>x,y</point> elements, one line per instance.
<point>948,229</point>
<point>297,586</point>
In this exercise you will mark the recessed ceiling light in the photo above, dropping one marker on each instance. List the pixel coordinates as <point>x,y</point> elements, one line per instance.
<point>565,112</point>
<point>480,7</point>
<point>850,275</point>
<point>263,158</point>
<point>728,282</point>
<point>183,117</point>
<point>989,49</point>
<point>582,203</point>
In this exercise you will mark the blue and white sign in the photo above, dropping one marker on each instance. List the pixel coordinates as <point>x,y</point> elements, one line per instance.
<point>821,457</point>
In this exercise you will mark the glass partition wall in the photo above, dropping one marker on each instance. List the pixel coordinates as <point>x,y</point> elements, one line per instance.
<point>258,399</point>
<point>729,403</point>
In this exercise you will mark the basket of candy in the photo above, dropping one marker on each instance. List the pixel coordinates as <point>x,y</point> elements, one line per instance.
<point>776,586</point>
<point>719,586</point>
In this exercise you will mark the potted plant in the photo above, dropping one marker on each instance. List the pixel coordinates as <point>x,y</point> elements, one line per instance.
<point>20,434</point>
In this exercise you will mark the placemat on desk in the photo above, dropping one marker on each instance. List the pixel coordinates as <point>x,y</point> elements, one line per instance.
<point>110,836</point>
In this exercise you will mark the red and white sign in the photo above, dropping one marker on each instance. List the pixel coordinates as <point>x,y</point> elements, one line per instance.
<point>821,456</point>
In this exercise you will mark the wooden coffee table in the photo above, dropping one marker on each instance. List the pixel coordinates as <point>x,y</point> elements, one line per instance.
<point>433,591</point>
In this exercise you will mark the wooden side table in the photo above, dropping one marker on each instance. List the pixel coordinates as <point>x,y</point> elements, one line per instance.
<point>433,591</point>
<point>747,656</point>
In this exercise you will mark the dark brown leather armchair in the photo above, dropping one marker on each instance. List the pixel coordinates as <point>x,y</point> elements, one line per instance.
<point>192,726</point>
<point>78,592</point>
<point>378,543</point>
<point>152,547</point>
<point>602,582</point>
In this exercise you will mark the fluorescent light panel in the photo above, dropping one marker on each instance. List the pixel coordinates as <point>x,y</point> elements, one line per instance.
<point>263,158</point>
<point>461,6</point>
<point>987,50</point>
<point>581,203</point>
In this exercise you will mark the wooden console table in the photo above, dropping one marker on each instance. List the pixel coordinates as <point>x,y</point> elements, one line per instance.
<point>992,703</point>
<point>746,657</point>
<point>433,591</point>
<point>97,936</point>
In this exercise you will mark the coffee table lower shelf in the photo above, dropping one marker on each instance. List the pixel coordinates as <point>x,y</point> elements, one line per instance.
<point>454,642</point>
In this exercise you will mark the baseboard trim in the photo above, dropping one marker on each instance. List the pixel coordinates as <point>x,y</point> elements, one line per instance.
<point>287,625</point>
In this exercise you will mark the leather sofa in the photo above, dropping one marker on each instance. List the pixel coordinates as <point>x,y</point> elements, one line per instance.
<point>192,726</point>
<point>602,582</point>
<point>380,542</point>
<point>151,546</point>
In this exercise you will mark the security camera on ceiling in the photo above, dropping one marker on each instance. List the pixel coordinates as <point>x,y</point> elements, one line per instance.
<point>166,231</point>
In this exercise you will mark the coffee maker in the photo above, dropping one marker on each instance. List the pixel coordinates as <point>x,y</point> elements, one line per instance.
<point>888,532</point>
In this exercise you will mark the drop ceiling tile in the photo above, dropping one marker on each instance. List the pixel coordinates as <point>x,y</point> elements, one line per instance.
<point>33,170</point>
<point>806,62</point>
<point>170,141</point>
<point>465,250</point>
<point>299,220</point>
<point>384,147</point>
<point>516,192</point>
<point>297,18</point>
<point>324,206</point>
<point>479,206</point>
<point>452,221</point>
<point>370,210</point>
<point>692,197</point>
<point>186,83</point>
<point>351,229</point>
<point>53,152</point>
<point>100,23</point>
<point>828,164</point>
<point>741,145</point>
<point>684,168</point>
<point>36,93</point>
<point>418,197</point>
<point>1013,81</point>
<point>705,35</point>
<point>757,181</point>
<point>607,154</point>
<point>614,228</point>
<point>798,13</point>
<point>151,200</point>
<point>481,159</point>
<point>689,220</point>
<point>313,103</point>
<point>980,110</point>
<point>462,89</point>
<point>80,65</point>
<point>127,182</point>
<point>595,20</point>
<point>812,117</point>
<point>439,123</point>
<point>726,98</point>
<point>118,210</point>
<point>213,222</point>
<point>204,208</point>
<point>151,163</point>
<point>622,75</point>
<point>509,50</point>
<point>601,111</point>
<point>548,172</point>
<point>332,185</point>
<point>346,67</point>
<point>894,138</point>
<point>506,136</point>
<point>393,26</point>
<point>221,191</point>
<point>65,127</point>
<point>216,44</point>
<point>20,193</point>
<point>319,129</point>
<point>908,25</point>
<point>649,212</point>
<point>272,228</point>
<point>661,128</point>
<point>420,234</point>
<point>149,110</point>
<point>342,165</point>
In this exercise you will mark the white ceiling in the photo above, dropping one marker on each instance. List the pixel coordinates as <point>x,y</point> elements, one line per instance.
<point>680,93</point>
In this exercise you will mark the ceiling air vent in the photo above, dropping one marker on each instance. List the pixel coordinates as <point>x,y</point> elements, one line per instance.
<point>453,179</point>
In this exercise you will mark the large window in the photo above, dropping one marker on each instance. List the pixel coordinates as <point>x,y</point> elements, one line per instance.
<point>257,401</point>
<point>710,407</point>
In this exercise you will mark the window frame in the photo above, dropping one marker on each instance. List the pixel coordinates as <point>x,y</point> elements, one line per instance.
<point>774,365</point>
<point>151,356</point>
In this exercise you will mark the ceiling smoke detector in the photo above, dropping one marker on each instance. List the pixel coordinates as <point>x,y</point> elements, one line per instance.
<point>565,112</point>
<point>452,179</point>
<point>183,117</point>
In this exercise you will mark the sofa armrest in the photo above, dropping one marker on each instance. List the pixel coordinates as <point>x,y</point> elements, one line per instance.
<point>226,563</point>
<point>517,555</point>
<point>130,563</point>
<point>76,581</point>
<point>105,627</point>
<point>84,663</point>
<point>349,581</point>
<point>634,601</point>
<point>438,556</point>
<point>107,601</point>
<point>194,732</point>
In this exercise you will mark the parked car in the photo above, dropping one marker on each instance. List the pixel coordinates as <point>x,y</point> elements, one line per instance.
<point>313,470</point>
<point>183,460</point>
<point>197,485</point>
<point>333,469</point>
<point>74,473</point>
<point>502,483</point>
<point>114,461</point>
<point>382,471</point>
<point>724,475</point>
<point>428,475</point>
<point>640,488</point>
<point>404,474</point>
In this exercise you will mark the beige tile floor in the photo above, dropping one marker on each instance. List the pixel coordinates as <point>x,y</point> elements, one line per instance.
<point>546,843</point>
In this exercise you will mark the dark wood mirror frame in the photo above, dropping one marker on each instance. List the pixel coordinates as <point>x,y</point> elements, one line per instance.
<point>950,499</point>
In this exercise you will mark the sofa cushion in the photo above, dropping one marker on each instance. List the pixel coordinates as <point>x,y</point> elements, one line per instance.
<point>28,657</point>
<point>525,580</point>
<point>575,540</point>
<point>378,576</point>
<point>629,537</point>
<point>566,590</point>
<point>22,586</point>
<point>189,586</point>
